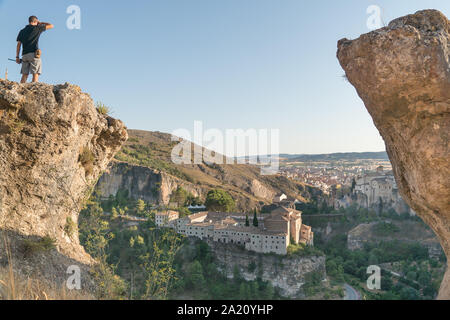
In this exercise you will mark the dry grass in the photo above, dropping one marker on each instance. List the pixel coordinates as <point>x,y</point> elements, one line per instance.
<point>103,109</point>
<point>43,245</point>
<point>13,287</point>
<point>15,124</point>
<point>17,287</point>
<point>87,159</point>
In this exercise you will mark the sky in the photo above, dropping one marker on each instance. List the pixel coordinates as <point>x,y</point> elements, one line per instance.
<point>232,64</point>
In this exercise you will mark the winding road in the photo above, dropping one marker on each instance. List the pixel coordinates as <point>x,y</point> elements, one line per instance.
<point>351,293</point>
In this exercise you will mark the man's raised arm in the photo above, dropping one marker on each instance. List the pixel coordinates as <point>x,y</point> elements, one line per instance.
<point>46,24</point>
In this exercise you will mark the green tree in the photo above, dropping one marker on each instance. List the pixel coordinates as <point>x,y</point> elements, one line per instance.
<point>114,213</point>
<point>373,259</point>
<point>180,196</point>
<point>268,292</point>
<point>386,283</point>
<point>353,185</point>
<point>409,294</point>
<point>255,219</point>
<point>351,267</point>
<point>196,275</point>
<point>140,206</point>
<point>195,201</point>
<point>237,277</point>
<point>220,201</point>
<point>140,240</point>
<point>254,289</point>
<point>247,221</point>
<point>424,278</point>
<point>158,264</point>
<point>380,205</point>
<point>94,230</point>
<point>411,276</point>
<point>95,236</point>
<point>243,289</point>
<point>108,284</point>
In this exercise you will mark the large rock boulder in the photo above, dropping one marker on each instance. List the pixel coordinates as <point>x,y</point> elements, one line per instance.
<point>402,73</point>
<point>54,145</point>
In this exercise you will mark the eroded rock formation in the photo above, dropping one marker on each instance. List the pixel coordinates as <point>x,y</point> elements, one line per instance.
<point>287,273</point>
<point>142,183</point>
<point>402,73</point>
<point>54,145</point>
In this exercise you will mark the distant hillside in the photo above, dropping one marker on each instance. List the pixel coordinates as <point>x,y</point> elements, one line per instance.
<point>152,150</point>
<point>405,231</point>
<point>349,156</point>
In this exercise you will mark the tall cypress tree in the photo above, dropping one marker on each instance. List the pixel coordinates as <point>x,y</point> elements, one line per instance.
<point>247,221</point>
<point>255,219</point>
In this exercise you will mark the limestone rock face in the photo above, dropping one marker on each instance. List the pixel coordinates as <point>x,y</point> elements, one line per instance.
<point>283,272</point>
<point>261,191</point>
<point>142,183</point>
<point>54,145</point>
<point>402,73</point>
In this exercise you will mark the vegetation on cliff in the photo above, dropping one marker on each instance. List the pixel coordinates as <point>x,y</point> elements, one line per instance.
<point>416,276</point>
<point>219,201</point>
<point>140,261</point>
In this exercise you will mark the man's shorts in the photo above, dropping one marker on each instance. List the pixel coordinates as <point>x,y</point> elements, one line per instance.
<point>30,64</point>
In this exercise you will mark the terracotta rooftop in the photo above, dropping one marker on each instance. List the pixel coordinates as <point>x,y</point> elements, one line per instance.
<point>197,215</point>
<point>284,210</point>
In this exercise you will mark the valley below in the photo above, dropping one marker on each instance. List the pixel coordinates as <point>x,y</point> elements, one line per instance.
<point>343,248</point>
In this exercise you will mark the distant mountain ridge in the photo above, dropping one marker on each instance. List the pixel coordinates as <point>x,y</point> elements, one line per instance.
<point>336,156</point>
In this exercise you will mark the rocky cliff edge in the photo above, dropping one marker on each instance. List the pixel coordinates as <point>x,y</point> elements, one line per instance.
<point>402,73</point>
<point>54,145</point>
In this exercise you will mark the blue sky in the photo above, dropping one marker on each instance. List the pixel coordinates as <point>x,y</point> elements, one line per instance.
<point>162,64</point>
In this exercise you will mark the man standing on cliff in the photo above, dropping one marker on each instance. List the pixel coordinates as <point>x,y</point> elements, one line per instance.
<point>31,56</point>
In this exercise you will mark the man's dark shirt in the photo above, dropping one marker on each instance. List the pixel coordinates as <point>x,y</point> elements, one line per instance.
<point>29,37</point>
